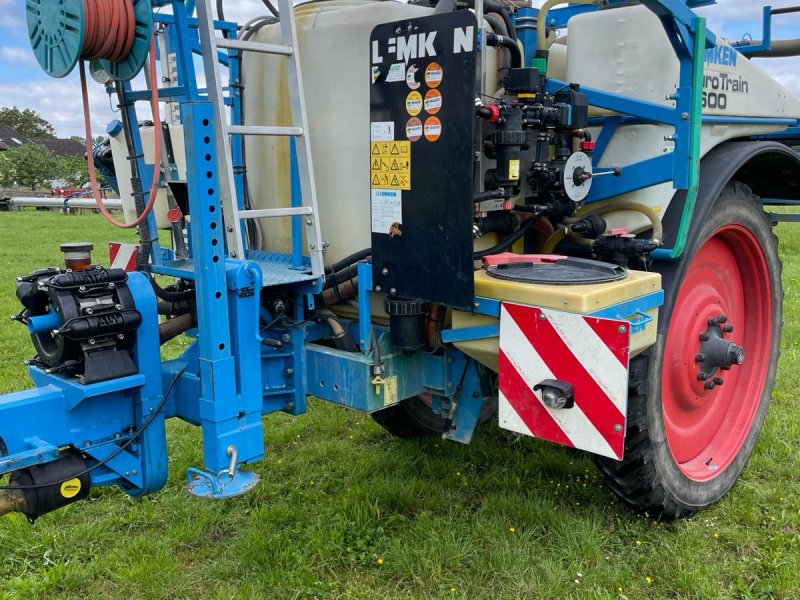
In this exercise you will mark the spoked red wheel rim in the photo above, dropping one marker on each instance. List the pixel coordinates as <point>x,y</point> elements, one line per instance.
<point>705,428</point>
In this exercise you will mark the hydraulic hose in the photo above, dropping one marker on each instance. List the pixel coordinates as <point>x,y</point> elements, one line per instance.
<point>541,21</point>
<point>488,195</point>
<point>109,30</point>
<point>341,338</point>
<point>601,208</point>
<point>169,296</point>
<point>506,243</point>
<point>109,33</point>
<point>499,25</point>
<point>341,285</point>
<point>558,236</point>
<point>604,208</point>
<point>349,260</point>
<point>503,12</point>
<point>492,39</point>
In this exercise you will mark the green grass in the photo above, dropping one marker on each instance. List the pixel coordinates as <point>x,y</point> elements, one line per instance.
<point>494,520</point>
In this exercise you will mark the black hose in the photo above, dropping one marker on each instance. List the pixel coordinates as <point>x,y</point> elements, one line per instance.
<point>507,243</point>
<point>251,228</point>
<point>492,39</point>
<point>255,27</point>
<point>169,296</point>
<point>490,195</point>
<point>512,32</point>
<point>498,7</point>
<point>348,260</point>
<point>536,209</point>
<point>145,243</point>
<point>271,8</point>
<point>145,247</point>
<point>498,221</point>
<point>339,277</point>
<point>343,341</point>
<point>499,25</point>
<point>220,12</point>
<point>376,353</point>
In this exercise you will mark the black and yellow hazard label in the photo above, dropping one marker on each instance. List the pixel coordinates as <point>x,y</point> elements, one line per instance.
<point>71,488</point>
<point>390,165</point>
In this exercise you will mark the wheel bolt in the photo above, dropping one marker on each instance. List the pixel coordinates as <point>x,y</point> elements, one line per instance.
<point>704,337</point>
<point>722,319</point>
<point>712,321</point>
<point>735,355</point>
<point>719,380</point>
<point>709,385</point>
<point>727,328</point>
<point>700,357</point>
<point>702,376</point>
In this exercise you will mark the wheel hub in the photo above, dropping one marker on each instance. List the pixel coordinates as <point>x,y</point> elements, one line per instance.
<point>717,353</point>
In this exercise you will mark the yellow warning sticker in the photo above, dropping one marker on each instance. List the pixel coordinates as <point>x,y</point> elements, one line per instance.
<point>71,488</point>
<point>513,169</point>
<point>390,390</point>
<point>390,165</point>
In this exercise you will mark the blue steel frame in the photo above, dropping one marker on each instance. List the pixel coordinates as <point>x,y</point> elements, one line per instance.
<point>238,369</point>
<point>746,47</point>
<point>95,418</point>
<point>680,24</point>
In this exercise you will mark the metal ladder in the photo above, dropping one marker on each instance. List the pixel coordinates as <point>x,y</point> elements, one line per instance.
<point>227,191</point>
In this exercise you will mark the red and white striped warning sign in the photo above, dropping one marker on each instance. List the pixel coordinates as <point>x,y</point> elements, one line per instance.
<point>589,353</point>
<point>123,256</point>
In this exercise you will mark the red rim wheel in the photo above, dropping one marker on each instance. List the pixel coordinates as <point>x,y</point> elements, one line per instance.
<point>707,424</point>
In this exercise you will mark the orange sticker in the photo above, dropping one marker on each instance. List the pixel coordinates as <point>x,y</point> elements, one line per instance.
<point>414,129</point>
<point>433,101</point>
<point>432,129</point>
<point>434,74</point>
<point>414,103</point>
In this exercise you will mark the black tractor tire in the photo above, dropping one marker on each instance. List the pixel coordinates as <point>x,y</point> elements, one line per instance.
<point>652,477</point>
<point>413,418</point>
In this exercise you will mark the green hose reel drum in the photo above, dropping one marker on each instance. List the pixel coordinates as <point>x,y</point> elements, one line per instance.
<point>56,31</point>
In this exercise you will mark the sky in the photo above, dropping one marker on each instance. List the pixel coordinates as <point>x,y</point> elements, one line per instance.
<point>25,85</point>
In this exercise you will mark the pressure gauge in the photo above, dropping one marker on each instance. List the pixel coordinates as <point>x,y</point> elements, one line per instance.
<point>99,73</point>
<point>578,176</point>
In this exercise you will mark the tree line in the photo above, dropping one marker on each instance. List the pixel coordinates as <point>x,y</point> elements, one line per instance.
<point>32,165</point>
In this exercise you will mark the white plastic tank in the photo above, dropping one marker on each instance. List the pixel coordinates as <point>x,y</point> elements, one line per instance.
<point>333,38</point>
<point>626,51</point>
<point>119,152</point>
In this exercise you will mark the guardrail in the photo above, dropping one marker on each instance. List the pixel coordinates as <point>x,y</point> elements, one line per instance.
<point>19,202</point>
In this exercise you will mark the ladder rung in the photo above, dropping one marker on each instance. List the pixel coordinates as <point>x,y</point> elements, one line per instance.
<point>255,47</point>
<point>264,213</point>
<point>264,130</point>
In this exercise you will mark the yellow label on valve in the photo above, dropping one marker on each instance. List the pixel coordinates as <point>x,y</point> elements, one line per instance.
<point>71,488</point>
<point>513,169</point>
<point>390,390</point>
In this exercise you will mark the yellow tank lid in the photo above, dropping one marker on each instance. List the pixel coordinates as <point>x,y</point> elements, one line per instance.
<point>572,298</point>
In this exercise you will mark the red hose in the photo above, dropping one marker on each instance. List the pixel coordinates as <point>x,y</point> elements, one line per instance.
<point>110,30</point>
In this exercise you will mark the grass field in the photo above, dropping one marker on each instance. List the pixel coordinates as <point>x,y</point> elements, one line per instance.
<point>345,511</point>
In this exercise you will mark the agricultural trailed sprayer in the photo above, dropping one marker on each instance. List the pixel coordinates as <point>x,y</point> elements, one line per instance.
<point>437,213</point>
